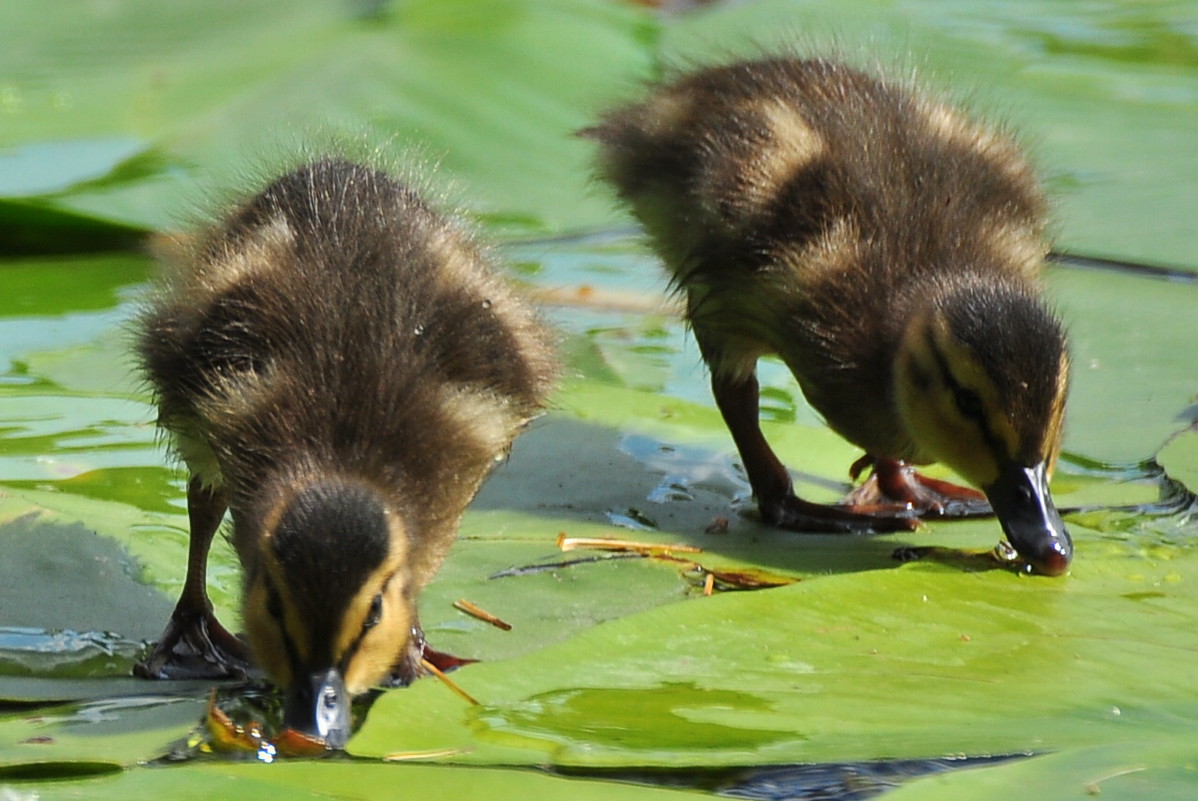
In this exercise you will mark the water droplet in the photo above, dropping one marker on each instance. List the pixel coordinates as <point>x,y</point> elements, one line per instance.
<point>267,753</point>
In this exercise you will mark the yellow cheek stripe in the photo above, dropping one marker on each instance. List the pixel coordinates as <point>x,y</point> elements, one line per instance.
<point>1051,445</point>
<point>951,361</point>
<point>265,635</point>
<point>353,630</point>
<point>354,615</point>
<point>295,636</point>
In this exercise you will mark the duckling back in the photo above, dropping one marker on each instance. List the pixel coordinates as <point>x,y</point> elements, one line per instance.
<point>758,159</point>
<point>885,247</point>
<point>806,208</point>
<point>344,366</point>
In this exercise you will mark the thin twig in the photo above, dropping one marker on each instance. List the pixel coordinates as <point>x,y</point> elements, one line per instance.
<point>431,668</point>
<point>406,756</point>
<point>462,605</point>
<point>566,543</point>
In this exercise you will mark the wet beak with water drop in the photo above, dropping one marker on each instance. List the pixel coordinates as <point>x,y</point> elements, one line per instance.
<point>319,705</point>
<point>1031,522</point>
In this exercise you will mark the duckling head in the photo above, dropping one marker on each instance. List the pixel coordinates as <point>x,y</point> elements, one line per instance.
<point>328,603</point>
<point>980,381</point>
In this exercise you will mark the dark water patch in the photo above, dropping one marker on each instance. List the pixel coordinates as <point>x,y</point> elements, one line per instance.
<point>1159,271</point>
<point>836,781</point>
<point>64,577</point>
<point>57,770</point>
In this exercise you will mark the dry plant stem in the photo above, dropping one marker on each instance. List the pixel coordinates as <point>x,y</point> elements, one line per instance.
<point>462,605</point>
<point>566,543</point>
<point>736,579</point>
<point>458,691</point>
<point>411,756</point>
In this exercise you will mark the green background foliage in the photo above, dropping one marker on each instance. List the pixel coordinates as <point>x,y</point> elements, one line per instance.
<point>127,117</point>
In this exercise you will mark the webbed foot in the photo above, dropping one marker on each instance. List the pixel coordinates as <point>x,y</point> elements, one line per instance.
<point>738,400</point>
<point>195,646</point>
<point>795,514</point>
<point>894,483</point>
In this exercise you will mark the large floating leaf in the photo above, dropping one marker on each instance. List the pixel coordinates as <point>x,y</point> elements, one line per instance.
<point>1105,96</point>
<point>921,660</point>
<point>491,89</point>
<point>114,111</point>
<point>349,782</point>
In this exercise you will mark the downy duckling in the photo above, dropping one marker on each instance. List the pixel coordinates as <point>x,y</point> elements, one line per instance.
<point>340,367</point>
<point>887,248</point>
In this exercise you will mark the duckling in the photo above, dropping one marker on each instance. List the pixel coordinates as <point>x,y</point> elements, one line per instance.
<point>340,367</point>
<point>886,248</point>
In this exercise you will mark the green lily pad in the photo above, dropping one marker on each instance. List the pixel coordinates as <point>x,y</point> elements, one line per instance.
<point>350,782</point>
<point>1098,94</point>
<point>1152,768</point>
<point>491,90</point>
<point>116,112</point>
<point>952,662</point>
<point>1179,457</point>
<point>46,168</point>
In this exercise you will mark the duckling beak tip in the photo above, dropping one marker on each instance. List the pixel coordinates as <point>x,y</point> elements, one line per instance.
<point>1030,520</point>
<point>319,705</point>
<point>1055,561</point>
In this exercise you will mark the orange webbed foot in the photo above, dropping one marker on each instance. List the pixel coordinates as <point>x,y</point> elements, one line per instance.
<point>896,483</point>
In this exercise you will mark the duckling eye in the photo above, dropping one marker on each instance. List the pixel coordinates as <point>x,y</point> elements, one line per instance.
<point>376,612</point>
<point>969,403</point>
<point>274,605</point>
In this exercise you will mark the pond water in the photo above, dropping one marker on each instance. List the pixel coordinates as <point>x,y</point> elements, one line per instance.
<point>860,675</point>
<point>95,508</point>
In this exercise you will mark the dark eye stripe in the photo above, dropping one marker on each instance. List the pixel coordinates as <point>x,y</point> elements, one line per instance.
<point>967,401</point>
<point>367,625</point>
<point>274,606</point>
<point>354,647</point>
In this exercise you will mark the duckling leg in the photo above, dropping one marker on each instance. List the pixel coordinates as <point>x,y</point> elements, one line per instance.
<point>895,482</point>
<point>194,644</point>
<point>738,400</point>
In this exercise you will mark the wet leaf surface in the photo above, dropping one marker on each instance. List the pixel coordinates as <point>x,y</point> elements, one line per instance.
<point>863,675</point>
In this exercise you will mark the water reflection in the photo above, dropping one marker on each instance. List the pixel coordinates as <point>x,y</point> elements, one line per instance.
<point>838,781</point>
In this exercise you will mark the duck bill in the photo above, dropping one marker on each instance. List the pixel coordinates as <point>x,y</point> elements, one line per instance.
<point>318,705</point>
<point>1031,522</point>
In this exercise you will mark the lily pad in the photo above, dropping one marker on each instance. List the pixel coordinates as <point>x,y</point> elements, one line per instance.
<point>332,780</point>
<point>613,662</point>
<point>1098,93</point>
<point>1179,457</point>
<point>491,90</point>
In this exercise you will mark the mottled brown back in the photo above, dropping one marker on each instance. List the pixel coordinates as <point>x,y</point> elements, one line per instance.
<point>807,208</point>
<point>336,323</point>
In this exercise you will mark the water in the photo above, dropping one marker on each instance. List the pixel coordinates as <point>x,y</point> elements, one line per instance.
<point>92,536</point>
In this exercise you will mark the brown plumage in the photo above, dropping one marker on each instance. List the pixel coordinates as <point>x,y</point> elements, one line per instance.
<point>341,367</point>
<point>886,247</point>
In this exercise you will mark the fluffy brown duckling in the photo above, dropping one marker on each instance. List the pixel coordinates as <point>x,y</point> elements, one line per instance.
<point>886,247</point>
<point>340,367</point>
